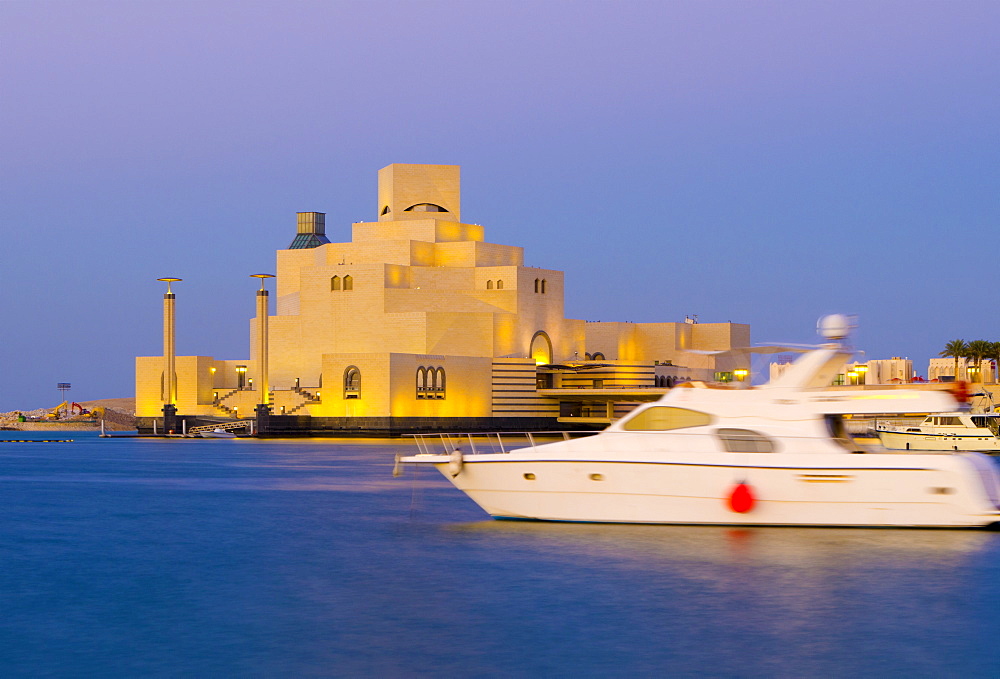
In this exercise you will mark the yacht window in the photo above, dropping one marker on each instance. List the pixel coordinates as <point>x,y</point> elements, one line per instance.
<point>951,421</point>
<point>986,423</point>
<point>745,441</point>
<point>664,418</point>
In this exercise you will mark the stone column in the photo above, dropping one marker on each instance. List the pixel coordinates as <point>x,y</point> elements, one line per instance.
<point>262,378</point>
<point>263,382</point>
<point>169,359</point>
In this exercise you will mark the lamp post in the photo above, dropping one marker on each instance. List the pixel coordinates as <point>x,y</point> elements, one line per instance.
<point>169,393</point>
<point>263,403</point>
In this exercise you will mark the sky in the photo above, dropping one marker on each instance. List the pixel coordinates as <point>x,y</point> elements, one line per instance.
<point>755,162</point>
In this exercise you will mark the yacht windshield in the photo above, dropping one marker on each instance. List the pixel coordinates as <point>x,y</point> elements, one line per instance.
<point>665,418</point>
<point>990,423</point>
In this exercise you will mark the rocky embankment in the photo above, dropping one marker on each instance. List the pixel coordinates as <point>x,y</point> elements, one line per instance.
<point>119,415</point>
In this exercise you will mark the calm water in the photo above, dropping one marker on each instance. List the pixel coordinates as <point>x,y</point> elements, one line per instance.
<point>306,558</point>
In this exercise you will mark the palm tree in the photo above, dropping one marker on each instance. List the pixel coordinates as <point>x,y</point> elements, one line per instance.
<point>958,349</point>
<point>977,351</point>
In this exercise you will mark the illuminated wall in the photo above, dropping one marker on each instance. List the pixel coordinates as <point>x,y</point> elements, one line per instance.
<point>416,288</point>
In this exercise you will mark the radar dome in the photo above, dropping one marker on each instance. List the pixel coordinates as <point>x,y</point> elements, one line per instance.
<point>834,326</point>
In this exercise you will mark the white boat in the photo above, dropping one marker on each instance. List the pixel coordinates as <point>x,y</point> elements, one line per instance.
<point>771,455</point>
<point>945,431</point>
<point>217,434</point>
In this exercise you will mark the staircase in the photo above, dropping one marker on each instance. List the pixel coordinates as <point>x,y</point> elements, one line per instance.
<point>225,410</point>
<point>308,397</point>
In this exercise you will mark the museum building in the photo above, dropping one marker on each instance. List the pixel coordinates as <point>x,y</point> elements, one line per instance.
<point>419,324</point>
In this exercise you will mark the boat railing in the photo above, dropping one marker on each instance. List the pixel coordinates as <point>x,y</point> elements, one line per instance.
<point>494,442</point>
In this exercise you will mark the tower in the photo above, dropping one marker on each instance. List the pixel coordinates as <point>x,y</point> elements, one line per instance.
<point>311,231</point>
<point>413,191</point>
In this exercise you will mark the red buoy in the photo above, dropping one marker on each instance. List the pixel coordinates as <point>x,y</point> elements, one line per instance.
<point>741,500</point>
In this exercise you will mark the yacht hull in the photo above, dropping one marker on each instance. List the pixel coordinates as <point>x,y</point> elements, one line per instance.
<point>867,490</point>
<point>919,441</point>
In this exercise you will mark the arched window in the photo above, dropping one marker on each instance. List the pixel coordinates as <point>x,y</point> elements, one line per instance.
<point>541,348</point>
<point>536,284</point>
<point>588,357</point>
<point>499,285</point>
<point>430,382</point>
<point>425,207</point>
<point>598,356</point>
<point>352,382</point>
<point>543,286</point>
<point>489,285</point>
<point>386,210</point>
<point>348,283</point>
<point>335,283</point>
<point>440,383</point>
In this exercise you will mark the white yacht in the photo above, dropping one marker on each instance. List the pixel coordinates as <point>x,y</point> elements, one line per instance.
<point>217,433</point>
<point>770,455</point>
<point>945,431</point>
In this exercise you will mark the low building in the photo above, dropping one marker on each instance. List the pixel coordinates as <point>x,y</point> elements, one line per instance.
<point>943,370</point>
<point>419,323</point>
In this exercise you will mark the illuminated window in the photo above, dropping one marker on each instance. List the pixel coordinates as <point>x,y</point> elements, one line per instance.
<point>499,285</point>
<point>489,285</point>
<point>348,283</point>
<point>430,382</point>
<point>745,441</point>
<point>352,382</point>
<point>335,283</point>
<point>665,418</point>
<point>541,348</point>
<point>439,383</point>
<point>425,207</point>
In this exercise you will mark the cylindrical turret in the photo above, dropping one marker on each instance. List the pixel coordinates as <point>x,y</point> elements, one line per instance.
<point>262,367</point>
<point>169,352</point>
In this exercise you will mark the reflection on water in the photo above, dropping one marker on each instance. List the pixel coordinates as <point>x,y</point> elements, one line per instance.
<point>165,558</point>
<point>791,546</point>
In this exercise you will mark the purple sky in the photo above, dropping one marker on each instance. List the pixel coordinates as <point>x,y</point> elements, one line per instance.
<point>756,162</point>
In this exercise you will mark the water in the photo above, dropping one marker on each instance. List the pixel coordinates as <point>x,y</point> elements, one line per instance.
<point>131,557</point>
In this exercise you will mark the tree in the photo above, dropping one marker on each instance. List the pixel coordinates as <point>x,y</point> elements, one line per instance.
<point>977,351</point>
<point>958,349</point>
